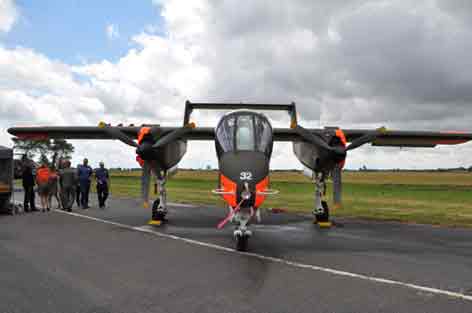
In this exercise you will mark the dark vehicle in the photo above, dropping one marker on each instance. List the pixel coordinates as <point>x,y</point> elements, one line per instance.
<point>6,177</point>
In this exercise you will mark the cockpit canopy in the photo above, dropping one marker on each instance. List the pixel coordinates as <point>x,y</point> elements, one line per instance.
<point>244,131</point>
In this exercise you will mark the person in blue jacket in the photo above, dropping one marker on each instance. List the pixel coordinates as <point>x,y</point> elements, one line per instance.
<point>103,183</point>
<point>84,172</point>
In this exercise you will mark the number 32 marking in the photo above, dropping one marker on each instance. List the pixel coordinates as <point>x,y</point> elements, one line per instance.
<point>245,176</point>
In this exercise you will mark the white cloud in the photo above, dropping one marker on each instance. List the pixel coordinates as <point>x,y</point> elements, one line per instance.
<point>8,15</point>
<point>112,31</point>
<point>347,63</point>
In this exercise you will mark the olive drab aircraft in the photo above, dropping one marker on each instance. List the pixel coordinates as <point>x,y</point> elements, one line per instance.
<point>244,139</point>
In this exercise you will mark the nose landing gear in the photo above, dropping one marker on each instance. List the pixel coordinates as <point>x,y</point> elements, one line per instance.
<point>242,233</point>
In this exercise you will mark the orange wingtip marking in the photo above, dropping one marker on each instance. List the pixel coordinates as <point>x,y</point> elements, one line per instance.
<point>453,132</point>
<point>33,136</point>
<point>451,141</point>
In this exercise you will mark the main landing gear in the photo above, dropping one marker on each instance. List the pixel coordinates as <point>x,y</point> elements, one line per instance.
<point>159,206</point>
<point>321,209</point>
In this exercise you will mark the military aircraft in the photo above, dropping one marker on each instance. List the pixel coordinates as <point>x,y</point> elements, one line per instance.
<point>244,138</point>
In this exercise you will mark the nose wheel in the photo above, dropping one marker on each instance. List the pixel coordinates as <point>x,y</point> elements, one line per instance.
<point>242,239</point>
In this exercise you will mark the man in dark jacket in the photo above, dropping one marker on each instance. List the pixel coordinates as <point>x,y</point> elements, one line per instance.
<point>84,172</point>
<point>28,186</point>
<point>68,182</point>
<point>103,179</point>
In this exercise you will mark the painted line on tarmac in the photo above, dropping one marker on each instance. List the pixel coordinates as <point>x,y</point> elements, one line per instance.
<point>184,205</point>
<point>149,230</point>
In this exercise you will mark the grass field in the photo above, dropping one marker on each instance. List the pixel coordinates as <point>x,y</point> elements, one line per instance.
<point>441,198</point>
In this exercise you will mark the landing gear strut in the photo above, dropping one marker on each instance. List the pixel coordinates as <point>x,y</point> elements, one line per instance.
<point>242,233</point>
<point>321,209</point>
<point>159,206</point>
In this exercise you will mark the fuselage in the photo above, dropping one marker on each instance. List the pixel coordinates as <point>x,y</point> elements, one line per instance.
<point>244,146</point>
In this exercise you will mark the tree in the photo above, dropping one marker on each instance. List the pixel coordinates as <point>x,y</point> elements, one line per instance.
<point>56,149</point>
<point>30,147</point>
<point>62,149</point>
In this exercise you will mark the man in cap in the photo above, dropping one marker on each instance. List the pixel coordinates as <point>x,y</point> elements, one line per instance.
<point>68,182</point>
<point>84,172</point>
<point>103,179</point>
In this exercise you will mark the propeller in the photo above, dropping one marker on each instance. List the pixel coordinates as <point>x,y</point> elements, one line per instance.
<point>356,143</point>
<point>118,134</point>
<point>145,149</point>
<point>338,151</point>
<point>174,135</point>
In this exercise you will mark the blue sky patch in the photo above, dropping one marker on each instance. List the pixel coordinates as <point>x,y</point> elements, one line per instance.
<point>74,31</point>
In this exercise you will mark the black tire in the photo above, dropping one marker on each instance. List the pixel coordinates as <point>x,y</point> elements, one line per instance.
<point>323,217</point>
<point>156,215</point>
<point>242,243</point>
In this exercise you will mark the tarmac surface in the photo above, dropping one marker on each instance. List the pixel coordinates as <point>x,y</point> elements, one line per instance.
<point>110,261</point>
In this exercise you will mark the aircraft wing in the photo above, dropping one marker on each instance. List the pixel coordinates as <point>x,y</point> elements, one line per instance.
<point>92,133</point>
<point>393,138</point>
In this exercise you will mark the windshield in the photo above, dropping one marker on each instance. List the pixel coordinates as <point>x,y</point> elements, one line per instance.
<point>244,132</point>
<point>245,136</point>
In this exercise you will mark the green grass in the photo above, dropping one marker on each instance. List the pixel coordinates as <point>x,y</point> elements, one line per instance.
<point>419,197</point>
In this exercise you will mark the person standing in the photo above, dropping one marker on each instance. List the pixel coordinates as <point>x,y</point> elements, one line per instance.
<point>77,189</point>
<point>68,182</point>
<point>84,172</point>
<point>103,179</point>
<point>42,179</point>
<point>28,187</point>
<point>53,188</point>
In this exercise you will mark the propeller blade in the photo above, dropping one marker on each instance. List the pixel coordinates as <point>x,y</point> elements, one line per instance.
<point>174,135</point>
<point>118,134</point>
<point>366,139</point>
<point>156,131</point>
<point>314,139</point>
<point>337,185</point>
<point>145,183</point>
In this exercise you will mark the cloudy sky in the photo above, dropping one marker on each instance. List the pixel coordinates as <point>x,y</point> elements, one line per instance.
<point>350,63</point>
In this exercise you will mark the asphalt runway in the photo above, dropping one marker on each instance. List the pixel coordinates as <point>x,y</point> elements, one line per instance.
<point>111,261</point>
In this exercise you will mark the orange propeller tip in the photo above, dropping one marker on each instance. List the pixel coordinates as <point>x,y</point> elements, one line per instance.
<point>192,125</point>
<point>293,125</point>
<point>102,124</point>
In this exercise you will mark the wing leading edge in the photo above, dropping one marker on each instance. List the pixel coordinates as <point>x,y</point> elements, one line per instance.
<point>394,138</point>
<point>98,133</point>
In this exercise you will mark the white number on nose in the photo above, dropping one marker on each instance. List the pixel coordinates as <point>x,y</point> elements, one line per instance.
<point>245,176</point>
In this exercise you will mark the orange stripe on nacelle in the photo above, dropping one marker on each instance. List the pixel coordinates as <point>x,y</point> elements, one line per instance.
<point>143,132</point>
<point>340,134</point>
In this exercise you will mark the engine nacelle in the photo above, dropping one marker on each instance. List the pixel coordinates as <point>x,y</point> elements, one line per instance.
<point>319,159</point>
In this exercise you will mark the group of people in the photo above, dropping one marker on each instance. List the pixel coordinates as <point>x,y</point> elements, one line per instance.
<point>67,185</point>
